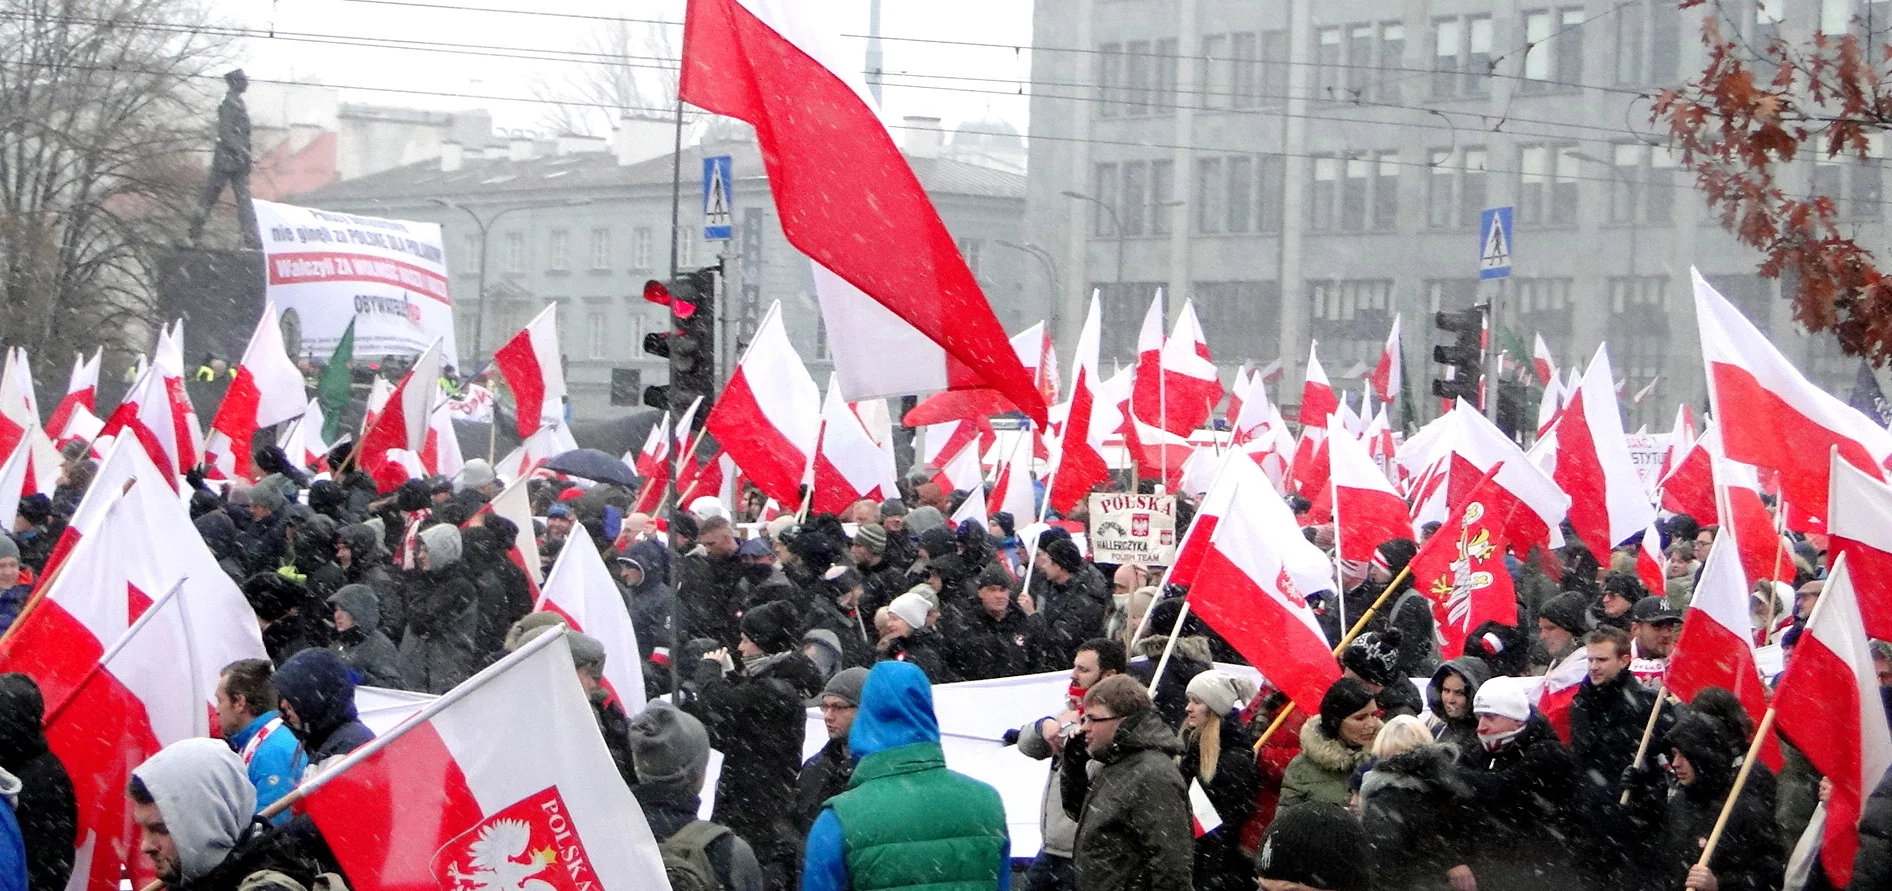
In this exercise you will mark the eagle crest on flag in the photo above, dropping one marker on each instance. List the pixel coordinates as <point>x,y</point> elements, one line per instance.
<point>529,846</point>
<point>1461,570</point>
<point>1466,574</point>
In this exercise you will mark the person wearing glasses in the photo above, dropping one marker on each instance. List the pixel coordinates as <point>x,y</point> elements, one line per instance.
<point>826,774</point>
<point>1122,786</point>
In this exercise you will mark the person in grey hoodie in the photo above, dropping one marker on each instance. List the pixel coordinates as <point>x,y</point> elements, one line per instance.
<point>437,651</point>
<point>1449,704</point>
<point>359,640</point>
<point>195,807</point>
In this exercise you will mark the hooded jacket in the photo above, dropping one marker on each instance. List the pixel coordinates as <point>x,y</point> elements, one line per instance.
<point>1462,733</point>
<point>1412,808</point>
<point>1747,858</point>
<point>200,788</point>
<point>1872,867</point>
<point>906,821</point>
<point>1132,810</point>
<point>316,685</point>
<point>504,593</point>
<point>48,813</point>
<point>443,610</point>
<point>1322,771</point>
<point>365,649</point>
<point>1521,796</point>
<point>993,648</point>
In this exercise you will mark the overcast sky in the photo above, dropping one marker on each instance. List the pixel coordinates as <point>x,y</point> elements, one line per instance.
<point>318,40</point>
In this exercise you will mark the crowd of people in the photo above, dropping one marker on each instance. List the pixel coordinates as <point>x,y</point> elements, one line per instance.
<point>1163,770</point>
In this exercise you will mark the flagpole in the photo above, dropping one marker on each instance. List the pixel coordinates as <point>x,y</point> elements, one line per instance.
<point>1773,569</point>
<point>1648,731</point>
<point>1740,781</point>
<point>1169,646</point>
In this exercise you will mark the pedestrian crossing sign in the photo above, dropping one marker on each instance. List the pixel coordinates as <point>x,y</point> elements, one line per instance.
<point>717,217</point>
<point>1494,243</point>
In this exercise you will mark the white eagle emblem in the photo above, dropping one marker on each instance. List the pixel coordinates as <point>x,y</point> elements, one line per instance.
<point>501,862</point>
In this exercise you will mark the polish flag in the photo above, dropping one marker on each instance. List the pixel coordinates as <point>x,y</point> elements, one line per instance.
<point>972,508</point>
<point>145,417</point>
<point>768,417</point>
<point>551,441</point>
<point>1078,464</point>
<point>1317,395</point>
<point>32,469</point>
<point>1013,492</point>
<point>302,439</point>
<point>1461,567</point>
<point>704,475</point>
<point>534,369</point>
<point>505,775</point>
<point>440,454</point>
<point>125,461</point>
<point>1716,648</point>
<point>962,472</point>
<point>1033,346</point>
<point>683,435</point>
<point>1238,393</point>
<point>513,503</point>
<point>1245,590</point>
<point>1385,376</point>
<point>1763,555</point>
<point>848,465</point>
<point>1549,406</point>
<point>403,422</point>
<point>18,409</point>
<point>1828,705</point>
<point>1159,454</point>
<point>1681,437</point>
<point>82,393</point>
<point>1191,386</point>
<point>1473,445</point>
<point>941,442</point>
<point>1650,567</point>
<point>1608,502</point>
<point>1773,417</point>
<point>1311,468</point>
<point>1254,412</point>
<point>126,642</point>
<point>1366,509</point>
<point>652,462</point>
<point>266,391</point>
<point>1559,691</point>
<point>1541,362</point>
<point>1147,390</point>
<point>379,392</point>
<point>1860,525</point>
<point>849,200</point>
<point>1689,485</point>
<point>582,589</point>
<point>168,359</point>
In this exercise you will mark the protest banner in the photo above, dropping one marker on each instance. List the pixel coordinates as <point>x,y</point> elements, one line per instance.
<point>388,276</point>
<point>1646,451</point>
<point>1139,529</point>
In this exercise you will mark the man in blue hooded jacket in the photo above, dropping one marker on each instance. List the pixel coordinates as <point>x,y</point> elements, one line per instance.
<point>905,820</point>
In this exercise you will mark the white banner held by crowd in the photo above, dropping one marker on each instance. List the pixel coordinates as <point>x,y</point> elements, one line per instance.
<point>1139,529</point>
<point>1646,451</point>
<point>387,276</point>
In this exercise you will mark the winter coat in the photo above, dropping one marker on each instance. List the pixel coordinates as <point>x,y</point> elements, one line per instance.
<point>1520,800</point>
<point>1872,866</point>
<point>261,544</point>
<point>850,626</point>
<point>668,807</point>
<point>1399,698</point>
<point>1323,771</point>
<point>368,565</point>
<point>1797,796</point>
<point>12,600</point>
<point>651,605</point>
<point>318,687</point>
<point>1069,613</point>
<point>1219,862</point>
<point>443,612</point>
<point>504,594</point>
<point>1272,760</point>
<point>928,649</point>
<point>1132,811</point>
<point>880,584</point>
<point>822,777</point>
<point>1412,806</point>
<point>906,821</point>
<point>709,599</point>
<point>1606,724</point>
<point>993,648</point>
<point>1747,858</point>
<point>1057,829</point>
<point>1461,733</point>
<point>365,649</point>
<point>47,811</point>
<point>1190,657</point>
<point>756,719</point>
<point>615,726</point>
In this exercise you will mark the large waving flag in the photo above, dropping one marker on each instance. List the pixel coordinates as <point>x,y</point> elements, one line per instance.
<point>1089,419</point>
<point>1033,346</point>
<point>1608,502</point>
<point>1716,648</point>
<point>849,200</point>
<point>1317,395</point>
<point>168,359</point>
<point>404,421</point>
<point>581,589</point>
<point>1386,374</point>
<point>1147,385</point>
<point>504,778</point>
<point>848,465</point>
<point>1860,525</point>
<point>17,409</point>
<point>266,391</point>
<point>1461,567</point>
<point>535,371</point>
<point>82,395</point>
<point>1773,417</point>
<point>1191,385</point>
<point>1366,509</point>
<point>146,418</point>
<point>769,414</point>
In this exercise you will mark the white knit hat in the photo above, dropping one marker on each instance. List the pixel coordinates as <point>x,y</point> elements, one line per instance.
<point>911,607</point>
<point>1506,697</point>
<point>1217,690</point>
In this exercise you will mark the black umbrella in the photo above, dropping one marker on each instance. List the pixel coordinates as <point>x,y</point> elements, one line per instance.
<point>593,465</point>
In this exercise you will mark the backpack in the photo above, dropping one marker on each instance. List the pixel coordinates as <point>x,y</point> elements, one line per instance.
<point>686,857</point>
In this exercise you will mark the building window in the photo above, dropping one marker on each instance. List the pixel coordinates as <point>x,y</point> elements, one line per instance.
<point>1547,184</point>
<point>1110,75</point>
<point>1104,187</point>
<point>1544,306</point>
<point>1386,192</point>
<point>1162,196</point>
<point>1122,305</point>
<point>1247,317</point>
<point>1167,65</point>
<point>1555,57</point>
<point>559,251</point>
<point>1353,193</point>
<point>1274,67</point>
<point>1211,196</point>
<point>1865,186</point>
<point>1648,42</point>
<point>640,248</point>
<point>1271,182</point>
<point>600,249</point>
<point>1477,54</point>
<point>597,337</point>
<point>1448,38</point>
<point>1639,339</point>
<point>1241,192</point>
<point>1350,318</point>
<point>1392,62</point>
<point>515,253</point>
<point>1137,77</point>
<point>1327,57</point>
<point>1218,75</point>
<point>686,250</point>
<point>1455,188</point>
<point>1359,59</point>
<point>1642,183</point>
<point>1245,71</point>
<point>1136,190</point>
<point>1320,199</point>
<point>971,249</point>
<point>1471,187</point>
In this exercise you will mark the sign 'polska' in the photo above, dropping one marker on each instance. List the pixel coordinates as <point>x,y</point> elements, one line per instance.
<point>1139,529</point>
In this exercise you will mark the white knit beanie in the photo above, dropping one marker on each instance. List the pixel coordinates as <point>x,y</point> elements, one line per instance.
<point>1217,690</point>
<point>911,607</point>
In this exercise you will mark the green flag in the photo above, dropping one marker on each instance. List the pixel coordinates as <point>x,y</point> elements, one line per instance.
<point>331,390</point>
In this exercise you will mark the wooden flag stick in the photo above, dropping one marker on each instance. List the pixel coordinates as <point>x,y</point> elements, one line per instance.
<point>1740,780</point>
<point>1359,625</point>
<point>1648,731</point>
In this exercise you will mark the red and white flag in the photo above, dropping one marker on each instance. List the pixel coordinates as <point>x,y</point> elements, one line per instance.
<point>1467,448</point>
<point>266,391</point>
<point>1385,376</point>
<point>1089,419</point>
<point>1716,648</point>
<point>848,462</point>
<point>1366,509</point>
<point>18,411</point>
<point>515,505</point>
<point>535,370</point>
<point>1859,523</point>
<point>972,508</point>
<point>302,440</point>
<point>1549,406</point>
<point>1033,346</point>
<point>769,414</point>
<point>1688,487</point>
<point>1146,391</point>
<point>123,462</point>
<point>1190,385</point>
<point>652,462</point>
<point>581,588</point>
<point>1773,417</point>
<point>168,359</point>
<point>1238,393</point>
<point>440,453</point>
<point>1681,437</point>
<point>849,200</point>
<point>500,782</point>
<point>1828,706</point>
<point>82,394</point>
<point>551,441</point>
<point>1317,395</point>
<point>1608,502</point>
<point>1764,554</point>
<point>1159,454</point>
<point>1013,491</point>
<point>1559,690</point>
<point>962,473</point>
<point>1461,567</point>
<point>403,422</point>
<point>1243,587</point>
<point>145,417</point>
<point>32,469</point>
<point>1541,362</point>
<point>1650,566</point>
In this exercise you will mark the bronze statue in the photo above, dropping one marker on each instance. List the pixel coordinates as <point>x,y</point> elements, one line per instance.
<point>230,164</point>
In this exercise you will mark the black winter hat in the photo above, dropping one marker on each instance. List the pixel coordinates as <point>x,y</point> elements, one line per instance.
<point>1318,845</point>
<point>682,523</point>
<point>413,495</point>
<point>1063,552</point>
<point>325,497</point>
<point>37,508</point>
<point>1374,656</point>
<point>939,541</point>
<point>994,576</point>
<point>774,626</point>
<point>1504,647</point>
<point>1346,696</point>
<point>1007,523</point>
<point>1569,611</point>
<point>1705,742</point>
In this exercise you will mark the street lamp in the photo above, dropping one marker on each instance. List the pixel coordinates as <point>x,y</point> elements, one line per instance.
<point>1116,223</point>
<point>1629,191</point>
<point>485,227</point>
<point>1051,270</point>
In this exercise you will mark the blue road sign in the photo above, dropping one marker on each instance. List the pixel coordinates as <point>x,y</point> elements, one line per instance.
<point>717,217</point>
<point>1494,243</point>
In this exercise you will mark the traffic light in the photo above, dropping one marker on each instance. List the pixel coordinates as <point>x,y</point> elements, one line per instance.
<point>1461,358</point>
<point>690,345</point>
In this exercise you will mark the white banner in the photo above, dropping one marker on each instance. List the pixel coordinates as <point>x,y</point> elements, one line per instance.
<point>1139,529</point>
<point>474,406</point>
<point>1646,451</point>
<point>388,276</point>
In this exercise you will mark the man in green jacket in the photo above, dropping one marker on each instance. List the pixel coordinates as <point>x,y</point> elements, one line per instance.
<point>905,820</point>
